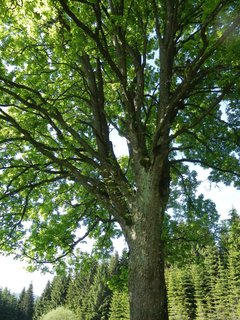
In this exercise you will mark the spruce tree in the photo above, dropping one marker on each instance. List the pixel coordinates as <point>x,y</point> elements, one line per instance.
<point>79,287</point>
<point>59,288</point>
<point>176,294</point>
<point>98,303</point>
<point>119,308</point>
<point>43,303</point>
<point>221,293</point>
<point>189,293</point>
<point>21,307</point>
<point>211,274</point>
<point>198,276</point>
<point>75,293</point>
<point>30,302</point>
<point>8,305</point>
<point>25,304</point>
<point>234,265</point>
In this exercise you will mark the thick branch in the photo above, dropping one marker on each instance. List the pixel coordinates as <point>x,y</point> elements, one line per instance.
<point>94,37</point>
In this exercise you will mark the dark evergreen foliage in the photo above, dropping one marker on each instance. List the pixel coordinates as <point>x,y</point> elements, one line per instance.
<point>209,289</point>
<point>8,305</point>
<point>206,288</point>
<point>59,287</point>
<point>25,305</point>
<point>13,308</point>
<point>119,309</point>
<point>43,303</point>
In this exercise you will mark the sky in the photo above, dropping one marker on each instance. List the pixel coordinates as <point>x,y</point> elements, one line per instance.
<point>14,276</point>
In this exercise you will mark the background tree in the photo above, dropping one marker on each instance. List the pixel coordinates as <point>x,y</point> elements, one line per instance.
<point>25,305</point>
<point>43,303</point>
<point>80,286</point>
<point>22,306</point>
<point>59,287</point>
<point>8,305</point>
<point>233,267</point>
<point>156,73</point>
<point>208,288</point>
<point>200,292</point>
<point>119,308</point>
<point>97,300</point>
<point>176,294</point>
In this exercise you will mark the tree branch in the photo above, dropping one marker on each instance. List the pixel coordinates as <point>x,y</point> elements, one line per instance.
<point>206,164</point>
<point>204,114</point>
<point>94,37</point>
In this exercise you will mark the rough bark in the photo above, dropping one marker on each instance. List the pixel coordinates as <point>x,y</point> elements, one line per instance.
<point>147,288</point>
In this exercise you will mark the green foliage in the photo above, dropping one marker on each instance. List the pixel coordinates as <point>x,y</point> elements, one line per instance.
<point>17,308</point>
<point>25,305</point>
<point>8,305</point>
<point>80,286</point>
<point>89,290</point>
<point>187,233</point>
<point>203,288</point>
<point>59,288</point>
<point>53,160</point>
<point>43,303</point>
<point>208,289</point>
<point>118,269</point>
<point>119,308</point>
<point>176,295</point>
<point>98,298</point>
<point>59,313</point>
<point>165,76</point>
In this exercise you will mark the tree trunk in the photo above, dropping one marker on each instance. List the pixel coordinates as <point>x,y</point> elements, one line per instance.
<point>147,288</point>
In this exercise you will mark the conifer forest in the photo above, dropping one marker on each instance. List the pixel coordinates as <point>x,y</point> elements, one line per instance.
<point>204,284</point>
<point>114,114</point>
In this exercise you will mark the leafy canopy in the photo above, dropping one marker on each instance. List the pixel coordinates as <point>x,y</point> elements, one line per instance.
<point>164,75</point>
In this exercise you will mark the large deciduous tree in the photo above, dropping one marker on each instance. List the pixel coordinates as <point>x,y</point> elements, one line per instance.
<point>162,74</point>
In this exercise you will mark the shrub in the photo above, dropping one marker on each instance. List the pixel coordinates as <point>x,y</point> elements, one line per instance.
<point>60,313</point>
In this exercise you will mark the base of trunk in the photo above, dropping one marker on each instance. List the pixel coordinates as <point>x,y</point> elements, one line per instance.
<point>147,288</point>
